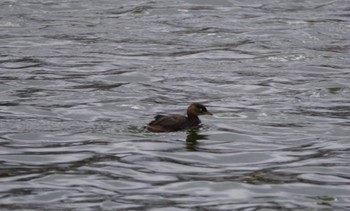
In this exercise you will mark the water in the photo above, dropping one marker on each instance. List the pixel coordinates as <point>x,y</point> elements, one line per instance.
<point>80,79</point>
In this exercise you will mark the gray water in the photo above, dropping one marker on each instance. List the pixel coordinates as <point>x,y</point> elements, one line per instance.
<point>80,79</point>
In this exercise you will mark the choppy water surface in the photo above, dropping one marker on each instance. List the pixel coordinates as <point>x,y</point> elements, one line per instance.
<point>80,79</point>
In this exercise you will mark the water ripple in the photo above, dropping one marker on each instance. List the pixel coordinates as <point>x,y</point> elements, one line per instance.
<point>80,81</point>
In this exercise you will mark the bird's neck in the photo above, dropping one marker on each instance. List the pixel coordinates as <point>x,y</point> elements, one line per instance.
<point>193,119</point>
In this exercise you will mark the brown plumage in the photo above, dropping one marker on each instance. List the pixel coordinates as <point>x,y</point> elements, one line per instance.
<point>175,122</point>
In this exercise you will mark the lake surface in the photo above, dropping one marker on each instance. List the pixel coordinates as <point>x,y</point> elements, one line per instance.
<point>80,79</point>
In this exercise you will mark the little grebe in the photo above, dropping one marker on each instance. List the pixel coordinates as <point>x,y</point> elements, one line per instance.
<point>174,122</point>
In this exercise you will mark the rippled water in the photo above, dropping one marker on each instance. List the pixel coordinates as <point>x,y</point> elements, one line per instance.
<point>80,79</point>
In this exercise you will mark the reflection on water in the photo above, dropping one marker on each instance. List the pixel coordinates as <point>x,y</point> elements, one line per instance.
<point>79,81</point>
<point>192,139</point>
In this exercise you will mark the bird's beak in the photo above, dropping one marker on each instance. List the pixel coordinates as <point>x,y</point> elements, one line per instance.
<point>207,113</point>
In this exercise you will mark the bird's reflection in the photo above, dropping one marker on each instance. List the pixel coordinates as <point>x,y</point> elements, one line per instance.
<point>192,138</point>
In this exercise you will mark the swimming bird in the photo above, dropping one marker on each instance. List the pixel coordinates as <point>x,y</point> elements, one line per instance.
<point>175,122</point>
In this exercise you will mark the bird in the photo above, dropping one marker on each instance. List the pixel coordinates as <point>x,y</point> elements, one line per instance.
<point>175,122</point>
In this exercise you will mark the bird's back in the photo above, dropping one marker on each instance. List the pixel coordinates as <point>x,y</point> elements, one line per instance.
<point>165,123</point>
